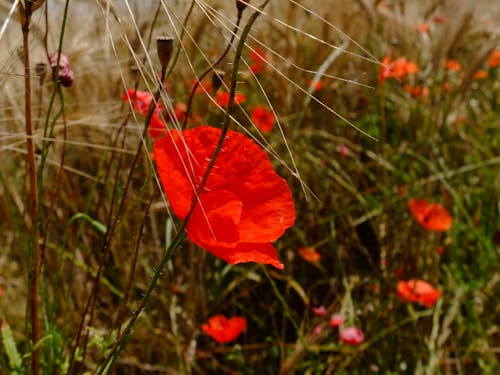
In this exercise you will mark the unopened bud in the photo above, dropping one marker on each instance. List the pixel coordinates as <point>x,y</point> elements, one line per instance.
<point>164,47</point>
<point>41,71</point>
<point>217,79</point>
<point>241,5</point>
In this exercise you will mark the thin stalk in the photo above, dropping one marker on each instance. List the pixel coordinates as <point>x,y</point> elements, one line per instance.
<point>210,68</point>
<point>36,260</point>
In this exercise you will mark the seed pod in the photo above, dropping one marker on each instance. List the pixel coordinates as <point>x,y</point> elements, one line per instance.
<point>164,47</point>
<point>217,79</point>
<point>241,5</point>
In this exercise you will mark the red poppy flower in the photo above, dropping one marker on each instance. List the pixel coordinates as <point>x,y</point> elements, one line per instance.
<point>480,74</point>
<point>317,86</point>
<point>439,18</point>
<point>141,101</point>
<point>398,68</point>
<point>259,57</point>
<point>494,59</point>
<point>263,118</point>
<point>310,254</point>
<point>432,216</point>
<point>452,65</point>
<point>422,28</point>
<point>418,291</point>
<point>319,311</point>
<point>343,150</point>
<point>222,329</point>
<point>336,320</point>
<point>222,98</point>
<point>244,206</point>
<point>351,336</point>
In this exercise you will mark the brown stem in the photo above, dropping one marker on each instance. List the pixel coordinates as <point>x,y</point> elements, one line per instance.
<point>34,306</point>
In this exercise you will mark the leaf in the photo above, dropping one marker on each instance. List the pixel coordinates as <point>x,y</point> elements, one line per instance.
<point>11,349</point>
<point>98,226</point>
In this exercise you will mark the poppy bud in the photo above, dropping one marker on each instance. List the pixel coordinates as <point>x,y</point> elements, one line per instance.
<point>241,5</point>
<point>217,79</point>
<point>41,71</point>
<point>164,47</point>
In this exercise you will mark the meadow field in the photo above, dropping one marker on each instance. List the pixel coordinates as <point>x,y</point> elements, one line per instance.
<point>250,187</point>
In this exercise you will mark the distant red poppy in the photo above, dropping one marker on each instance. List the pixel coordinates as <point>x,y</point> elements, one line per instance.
<point>310,254</point>
<point>244,206</point>
<point>439,18</point>
<point>398,68</point>
<point>319,311</point>
<point>422,28</point>
<point>318,85</point>
<point>418,291</point>
<point>224,330</point>
<point>432,216</point>
<point>222,98</point>
<point>417,92</point>
<point>259,57</point>
<point>343,150</point>
<point>336,320</point>
<point>203,86</point>
<point>494,59</point>
<point>141,100</point>
<point>452,65</point>
<point>480,74</point>
<point>351,336</point>
<point>263,118</point>
<point>440,250</point>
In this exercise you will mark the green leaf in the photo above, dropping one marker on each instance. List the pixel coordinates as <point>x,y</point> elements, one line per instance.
<point>11,349</point>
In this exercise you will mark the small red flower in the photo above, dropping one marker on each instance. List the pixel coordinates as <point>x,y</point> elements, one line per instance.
<point>263,118</point>
<point>319,311</point>
<point>494,59</point>
<point>310,254</point>
<point>317,86</point>
<point>440,250</point>
<point>141,100</point>
<point>422,28</point>
<point>439,18</point>
<point>398,68</point>
<point>452,65</point>
<point>259,57</point>
<point>336,320</point>
<point>222,98</point>
<point>351,336</point>
<point>343,150</point>
<point>224,330</point>
<point>480,74</point>
<point>244,206</point>
<point>432,216</point>
<point>418,291</point>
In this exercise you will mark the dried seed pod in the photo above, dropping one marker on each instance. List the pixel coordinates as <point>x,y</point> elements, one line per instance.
<point>217,79</point>
<point>241,5</point>
<point>164,47</point>
<point>41,71</point>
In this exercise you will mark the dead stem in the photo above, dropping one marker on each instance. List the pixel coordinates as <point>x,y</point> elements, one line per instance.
<point>34,276</point>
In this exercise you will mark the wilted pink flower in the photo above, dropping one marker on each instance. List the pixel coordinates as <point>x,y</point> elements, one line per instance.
<point>66,75</point>
<point>351,336</point>
<point>319,311</point>
<point>336,320</point>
